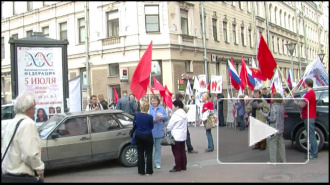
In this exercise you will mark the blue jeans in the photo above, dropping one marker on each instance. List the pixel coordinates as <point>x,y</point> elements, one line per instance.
<point>209,140</point>
<point>313,149</point>
<point>157,151</point>
<point>241,122</point>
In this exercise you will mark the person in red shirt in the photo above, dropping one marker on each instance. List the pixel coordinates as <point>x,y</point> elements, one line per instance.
<point>308,105</point>
<point>208,105</point>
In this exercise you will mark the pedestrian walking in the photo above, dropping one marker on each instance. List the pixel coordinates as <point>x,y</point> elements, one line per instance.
<point>178,125</point>
<point>23,157</point>
<point>240,107</point>
<point>190,148</point>
<point>308,114</point>
<point>93,105</point>
<point>159,118</point>
<point>207,110</point>
<point>144,140</point>
<point>276,120</point>
<point>126,104</point>
<point>103,102</point>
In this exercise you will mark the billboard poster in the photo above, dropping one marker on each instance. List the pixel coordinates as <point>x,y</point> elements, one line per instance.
<point>40,72</point>
<point>216,84</point>
<point>202,83</point>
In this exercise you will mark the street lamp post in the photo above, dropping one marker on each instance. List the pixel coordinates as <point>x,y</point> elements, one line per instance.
<point>291,47</point>
<point>321,55</point>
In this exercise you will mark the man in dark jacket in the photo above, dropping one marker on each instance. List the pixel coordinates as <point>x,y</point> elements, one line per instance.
<point>126,104</point>
<point>221,119</point>
<point>103,102</point>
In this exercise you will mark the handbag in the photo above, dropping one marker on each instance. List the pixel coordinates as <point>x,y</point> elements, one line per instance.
<point>167,140</point>
<point>210,122</point>
<point>15,178</point>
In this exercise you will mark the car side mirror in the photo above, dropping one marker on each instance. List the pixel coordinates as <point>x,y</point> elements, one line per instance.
<point>55,135</point>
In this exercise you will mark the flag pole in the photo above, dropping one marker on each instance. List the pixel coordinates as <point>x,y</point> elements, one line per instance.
<point>150,86</point>
<point>287,86</point>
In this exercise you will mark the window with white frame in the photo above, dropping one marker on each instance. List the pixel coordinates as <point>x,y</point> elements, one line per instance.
<point>283,46</point>
<point>152,18</point>
<point>249,6</point>
<point>2,47</point>
<point>188,66</point>
<point>278,45</point>
<point>242,36</point>
<point>63,31</point>
<point>225,31</point>
<point>234,33</point>
<point>156,70</point>
<point>29,5</point>
<point>273,44</point>
<point>240,4</point>
<point>114,70</point>
<point>215,30</point>
<point>28,33</point>
<point>15,7</point>
<point>184,21</point>
<point>250,37</point>
<point>113,23</point>
<point>45,31</point>
<point>82,33</point>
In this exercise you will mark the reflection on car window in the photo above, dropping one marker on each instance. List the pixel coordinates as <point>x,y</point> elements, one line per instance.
<point>324,100</point>
<point>103,123</point>
<point>124,120</point>
<point>50,124</point>
<point>73,127</point>
<point>7,112</point>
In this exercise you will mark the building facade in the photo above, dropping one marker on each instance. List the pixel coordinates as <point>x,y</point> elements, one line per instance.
<point>119,32</point>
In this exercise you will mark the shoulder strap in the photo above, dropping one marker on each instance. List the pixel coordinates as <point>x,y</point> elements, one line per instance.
<point>17,125</point>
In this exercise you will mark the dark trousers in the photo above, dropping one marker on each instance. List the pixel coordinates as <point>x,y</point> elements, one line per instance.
<point>180,156</point>
<point>144,143</point>
<point>188,142</point>
<point>220,117</point>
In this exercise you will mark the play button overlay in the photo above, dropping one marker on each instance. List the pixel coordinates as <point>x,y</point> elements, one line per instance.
<point>259,131</point>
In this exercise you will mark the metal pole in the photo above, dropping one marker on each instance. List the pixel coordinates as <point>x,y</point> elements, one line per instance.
<point>87,48</point>
<point>204,42</point>
<point>292,66</point>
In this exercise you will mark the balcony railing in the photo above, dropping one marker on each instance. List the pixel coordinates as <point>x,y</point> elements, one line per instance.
<point>111,41</point>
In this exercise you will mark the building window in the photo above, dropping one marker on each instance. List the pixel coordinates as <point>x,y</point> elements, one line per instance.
<point>113,24</point>
<point>82,33</point>
<point>257,7</point>
<point>234,33</point>
<point>280,17</point>
<point>240,5</point>
<point>242,35</point>
<point>114,70</point>
<point>225,31</point>
<point>278,45</point>
<point>2,47</point>
<point>217,68</point>
<point>249,6</point>
<point>45,31</point>
<point>63,31</point>
<point>273,44</point>
<point>152,18</point>
<point>275,15</point>
<point>286,51</point>
<point>215,31</point>
<point>156,70</point>
<point>184,21</point>
<point>250,38</point>
<point>188,66</point>
<point>283,46</point>
<point>29,5</point>
<point>28,33</point>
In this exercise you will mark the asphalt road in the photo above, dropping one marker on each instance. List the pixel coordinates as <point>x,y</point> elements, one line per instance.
<point>205,167</point>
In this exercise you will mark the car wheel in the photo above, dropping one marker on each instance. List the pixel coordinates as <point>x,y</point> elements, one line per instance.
<point>129,156</point>
<point>301,139</point>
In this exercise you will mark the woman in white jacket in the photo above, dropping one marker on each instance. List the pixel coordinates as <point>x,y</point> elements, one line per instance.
<point>178,128</point>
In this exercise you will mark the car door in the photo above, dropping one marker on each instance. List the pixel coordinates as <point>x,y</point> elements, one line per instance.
<point>73,145</point>
<point>322,110</point>
<point>107,136</point>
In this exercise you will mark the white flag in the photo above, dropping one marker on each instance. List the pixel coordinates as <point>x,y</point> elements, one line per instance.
<point>278,83</point>
<point>189,90</point>
<point>196,83</point>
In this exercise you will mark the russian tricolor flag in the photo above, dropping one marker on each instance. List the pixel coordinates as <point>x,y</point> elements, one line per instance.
<point>289,79</point>
<point>251,81</point>
<point>235,81</point>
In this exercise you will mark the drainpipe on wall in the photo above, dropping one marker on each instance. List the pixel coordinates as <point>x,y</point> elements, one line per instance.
<point>204,42</point>
<point>297,28</point>
<point>87,48</point>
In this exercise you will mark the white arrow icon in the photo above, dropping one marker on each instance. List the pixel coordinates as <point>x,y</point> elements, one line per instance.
<point>259,131</point>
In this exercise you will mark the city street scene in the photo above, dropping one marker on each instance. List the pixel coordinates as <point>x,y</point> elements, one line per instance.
<point>164,91</point>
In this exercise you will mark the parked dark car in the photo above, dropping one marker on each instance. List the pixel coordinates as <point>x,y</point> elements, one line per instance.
<point>294,128</point>
<point>84,137</point>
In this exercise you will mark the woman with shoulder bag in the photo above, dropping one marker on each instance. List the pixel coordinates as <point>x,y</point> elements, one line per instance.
<point>207,113</point>
<point>178,128</point>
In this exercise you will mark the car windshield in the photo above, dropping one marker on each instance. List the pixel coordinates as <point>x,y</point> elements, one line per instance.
<point>7,112</point>
<point>48,126</point>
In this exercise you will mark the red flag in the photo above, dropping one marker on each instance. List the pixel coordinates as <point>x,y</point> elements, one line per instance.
<point>167,98</point>
<point>256,73</point>
<point>158,86</point>
<point>273,88</point>
<point>140,78</point>
<point>116,95</point>
<point>243,75</point>
<point>267,63</point>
